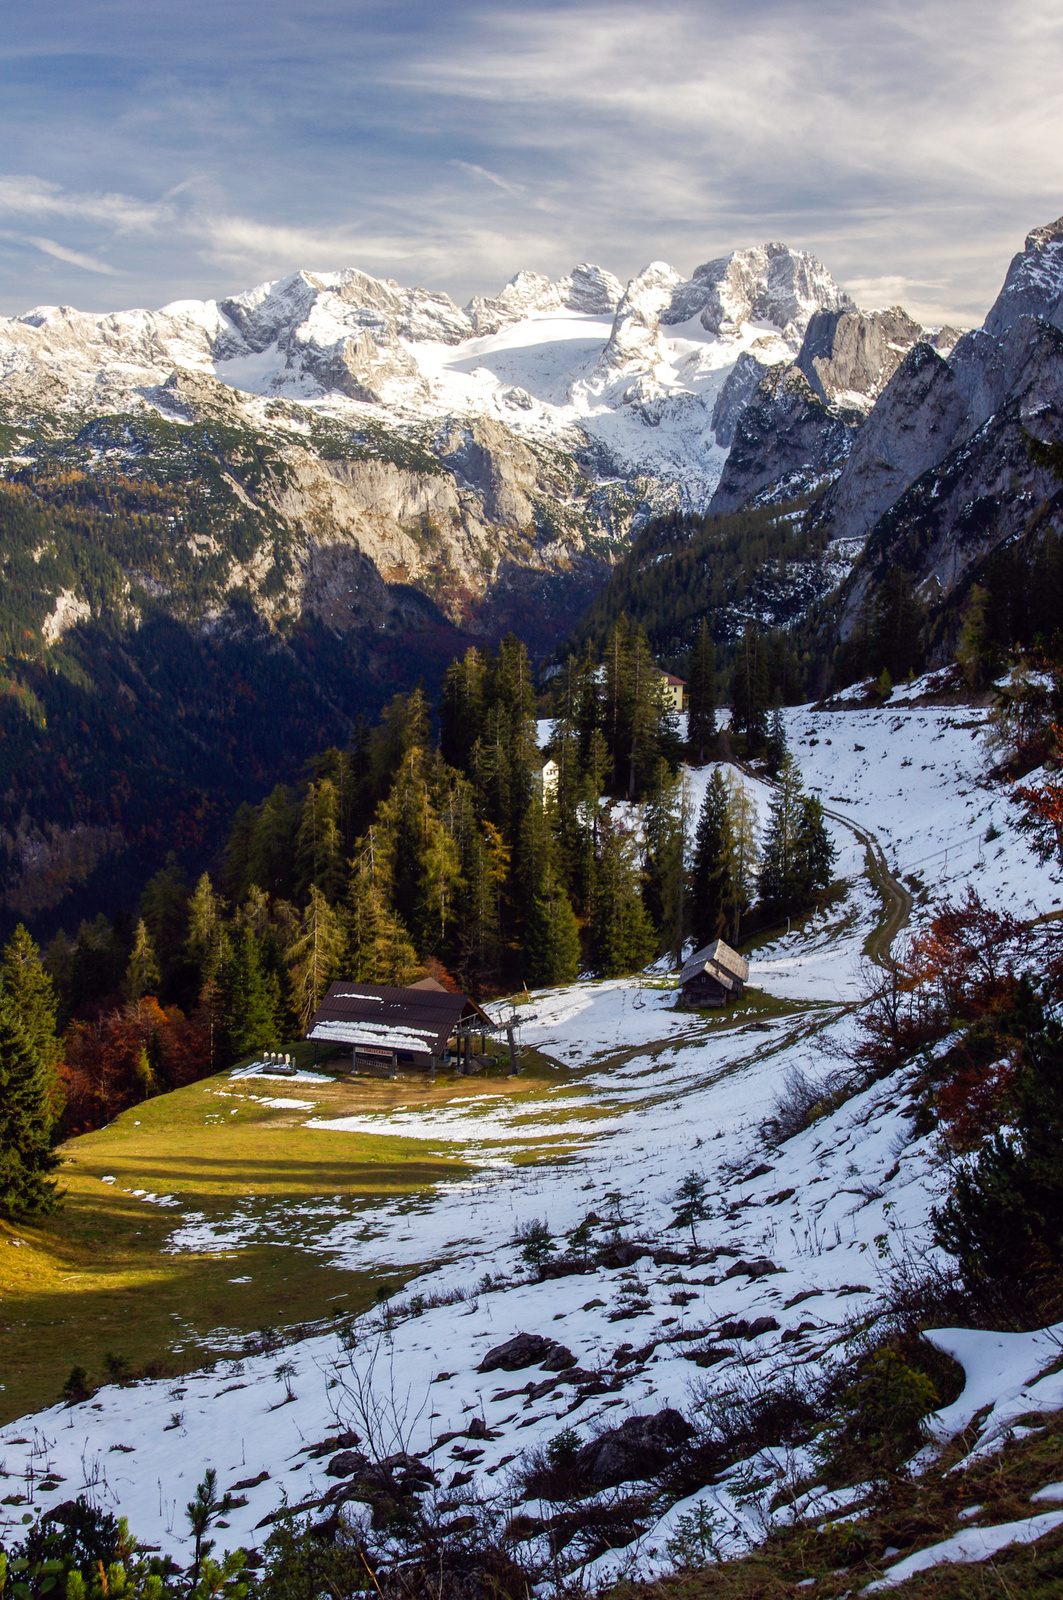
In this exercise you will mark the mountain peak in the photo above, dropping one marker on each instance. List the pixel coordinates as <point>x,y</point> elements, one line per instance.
<point>1034,283</point>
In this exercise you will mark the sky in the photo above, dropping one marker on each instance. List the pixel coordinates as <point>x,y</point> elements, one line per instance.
<point>152,150</point>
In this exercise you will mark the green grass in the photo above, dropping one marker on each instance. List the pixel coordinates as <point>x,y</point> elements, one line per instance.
<point>96,1278</point>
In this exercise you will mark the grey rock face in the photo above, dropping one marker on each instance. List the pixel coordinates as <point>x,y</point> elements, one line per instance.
<point>738,390</point>
<point>911,428</point>
<point>785,433</point>
<point>1034,283</point>
<point>852,355</point>
<point>591,289</point>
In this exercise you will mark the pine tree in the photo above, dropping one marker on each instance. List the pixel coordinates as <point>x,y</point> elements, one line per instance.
<point>713,875</point>
<point>624,937</point>
<point>164,908</point>
<point>249,1000</point>
<point>26,1155</point>
<point>701,695</point>
<point>142,973</point>
<point>551,937</point>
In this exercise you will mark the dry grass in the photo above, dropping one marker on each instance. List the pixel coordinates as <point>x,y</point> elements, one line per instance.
<point>842,1557</point>
<point>97,1278</point>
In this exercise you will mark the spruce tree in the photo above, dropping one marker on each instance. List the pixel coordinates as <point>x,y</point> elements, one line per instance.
<point>713,888</point>
<point>249,1000</point>
<point>665,825</point>
<point>551,937</point>
<point>749,689</point>
<point>26,1155</point>
<point>701,695</point>
<point>624,937</point>
<point>27,989</point>
<point>798,855</point>
<point>776,743</point>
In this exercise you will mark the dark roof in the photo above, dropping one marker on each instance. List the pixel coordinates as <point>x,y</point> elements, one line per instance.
<point>718,961</point>
<point>420,1018</point>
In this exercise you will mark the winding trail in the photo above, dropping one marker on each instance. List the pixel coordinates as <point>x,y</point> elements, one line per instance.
<point>897,902</point>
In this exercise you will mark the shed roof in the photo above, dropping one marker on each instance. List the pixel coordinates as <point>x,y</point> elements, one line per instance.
<point>377,1016</point>
<point>719,961</point>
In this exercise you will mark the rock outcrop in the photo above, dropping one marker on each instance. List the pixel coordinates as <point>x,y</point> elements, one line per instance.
<point>785,438</point>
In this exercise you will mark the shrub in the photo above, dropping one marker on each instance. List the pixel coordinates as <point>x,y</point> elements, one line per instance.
<point>802,1099</point>
<point>878,1422</point>
<point>77,1387</point>
<point>536,1244</point>
<point>1004,1218</point>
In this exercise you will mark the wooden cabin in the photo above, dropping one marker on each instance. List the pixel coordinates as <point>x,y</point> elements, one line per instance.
<point>388,1029</point>
<point>712,976</point>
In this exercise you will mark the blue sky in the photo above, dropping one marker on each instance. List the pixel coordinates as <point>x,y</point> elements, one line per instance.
<point>151,150</point>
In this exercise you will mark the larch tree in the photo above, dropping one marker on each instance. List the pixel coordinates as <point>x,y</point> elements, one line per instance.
<point>379,948</point>
<point>315,958</point>
<point>142,973</point>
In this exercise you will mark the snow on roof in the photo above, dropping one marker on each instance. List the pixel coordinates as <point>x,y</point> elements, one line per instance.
<point>376,1037</point>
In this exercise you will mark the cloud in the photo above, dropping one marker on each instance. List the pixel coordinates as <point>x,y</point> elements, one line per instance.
<point>74,258</point>
<point>31,196</point>
<point>491,177</point>
<point>910,143</point>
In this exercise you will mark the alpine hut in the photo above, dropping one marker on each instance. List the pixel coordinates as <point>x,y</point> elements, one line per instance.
<point>712,976</point>
<point>390,1028</point>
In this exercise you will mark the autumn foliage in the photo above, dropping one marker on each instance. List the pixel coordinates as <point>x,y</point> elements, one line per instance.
<point>121,1057</point>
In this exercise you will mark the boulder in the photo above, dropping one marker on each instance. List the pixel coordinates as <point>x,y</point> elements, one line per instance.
<point>760,1268</point>
<point>638,1448</point>
<point>559,1359</point>
<point>523,1350</point>
<point>346,1463</point>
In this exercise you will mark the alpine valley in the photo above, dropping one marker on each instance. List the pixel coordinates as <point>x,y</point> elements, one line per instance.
<point>229,527</point>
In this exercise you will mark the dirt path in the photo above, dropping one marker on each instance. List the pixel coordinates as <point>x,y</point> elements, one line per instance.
<point>897,903</point>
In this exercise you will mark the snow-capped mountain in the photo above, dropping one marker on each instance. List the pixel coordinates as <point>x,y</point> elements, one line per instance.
<point>637,371</point>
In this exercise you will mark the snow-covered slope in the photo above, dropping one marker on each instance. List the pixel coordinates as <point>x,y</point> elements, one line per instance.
<point>648,1095</point>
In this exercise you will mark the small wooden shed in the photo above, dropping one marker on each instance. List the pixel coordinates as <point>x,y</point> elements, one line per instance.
<point>389,1028</point>
<point>712,976</point>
